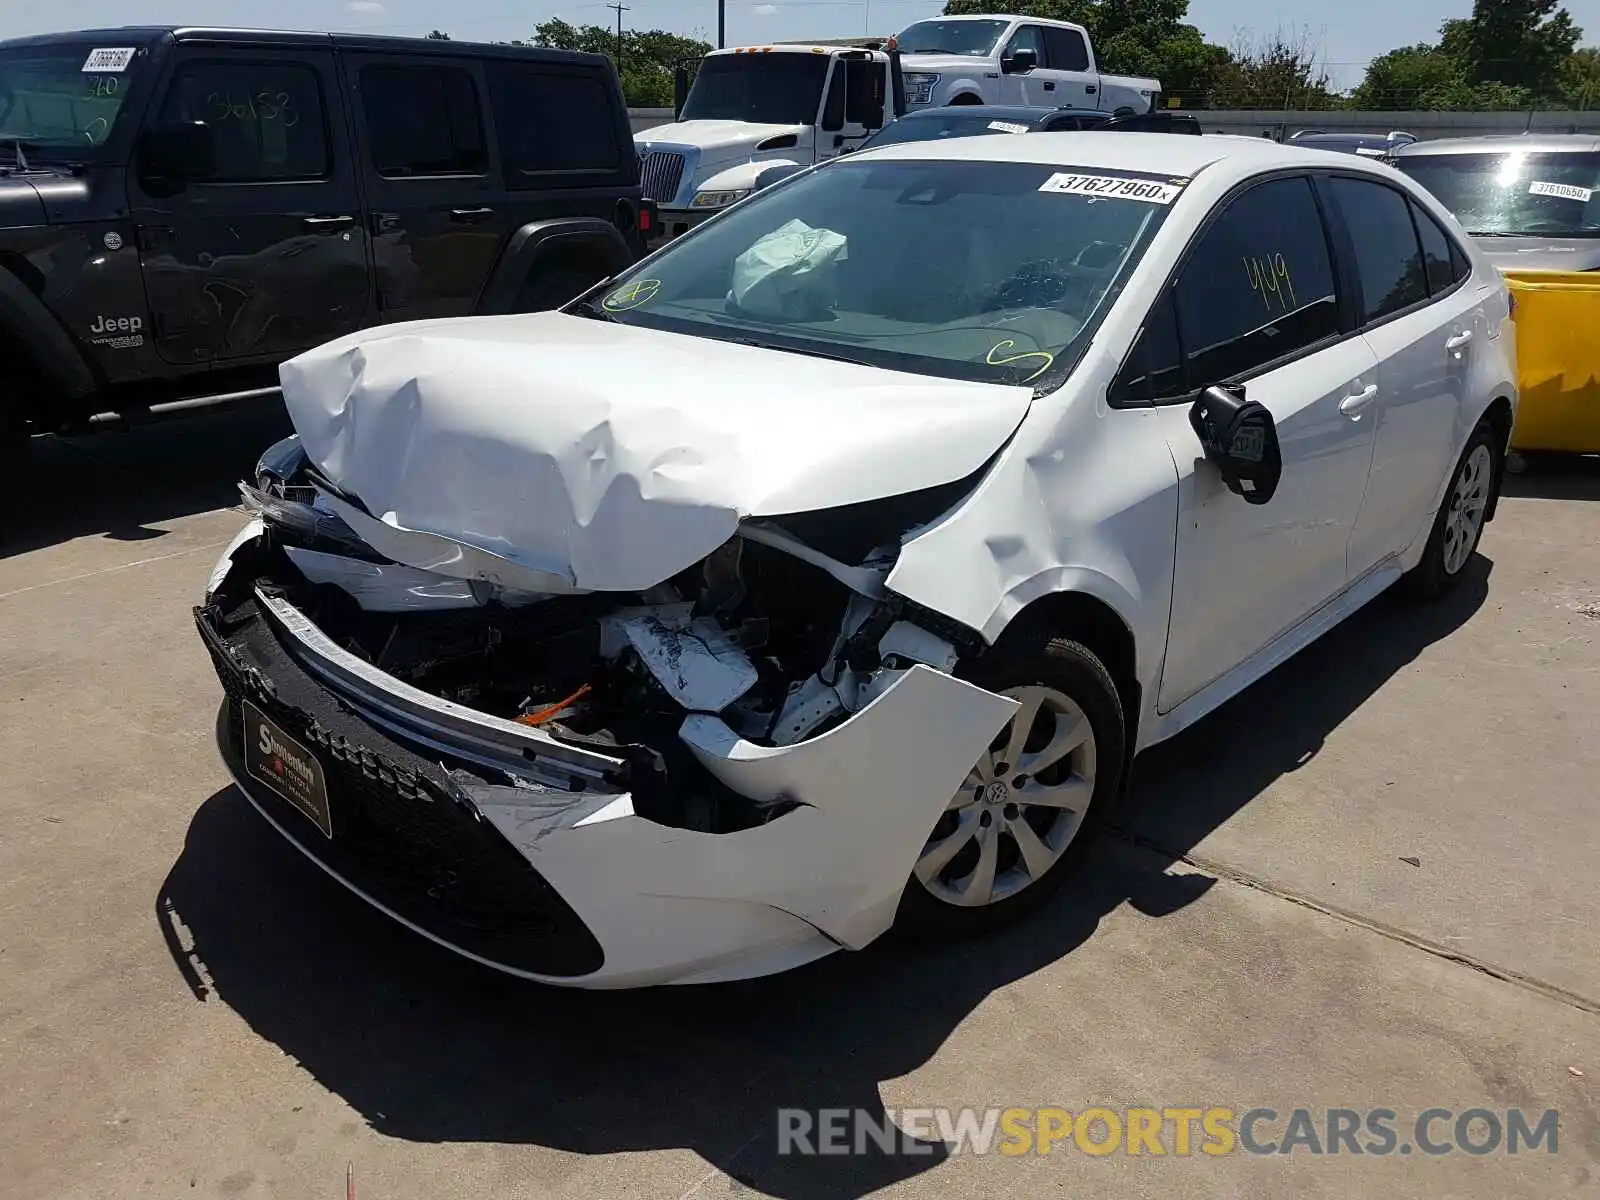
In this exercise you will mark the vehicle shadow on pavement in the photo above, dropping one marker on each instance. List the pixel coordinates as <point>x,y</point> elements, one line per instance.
<point>120,485</point>
<point>1557,477</point>
<point>430,1048</point>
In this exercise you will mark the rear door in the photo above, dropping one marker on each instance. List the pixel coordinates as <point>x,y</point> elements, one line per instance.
<point>438,210</point>
<point>269,256</point>
<point>1067,66</point>
<point>1423,324</point>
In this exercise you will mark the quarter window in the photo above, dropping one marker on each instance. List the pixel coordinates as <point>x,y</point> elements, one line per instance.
<point>1388,256</point>
<point>1258,285</point>
<point>266,119</point>
<point>423,121</point>
<point>1154,368</point>
<point>1446,266</point>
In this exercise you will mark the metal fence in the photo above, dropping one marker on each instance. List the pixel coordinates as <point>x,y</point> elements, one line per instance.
<point>1281,124</point>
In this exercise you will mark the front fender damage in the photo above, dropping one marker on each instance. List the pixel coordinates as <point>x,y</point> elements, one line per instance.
<point>866,793</point>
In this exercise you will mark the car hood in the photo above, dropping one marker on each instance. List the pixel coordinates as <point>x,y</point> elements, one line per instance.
<point>710,135</point>
<point>1541,253</point>
<point>552,453</point>
<point>20,204</point>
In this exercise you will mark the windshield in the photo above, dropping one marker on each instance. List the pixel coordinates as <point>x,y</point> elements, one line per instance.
<point>1516,192</point>
<point>947,123</point>
<point>971,39</point>
<point>63,99</point>
<point>990,271</point>
<point>769,89</point>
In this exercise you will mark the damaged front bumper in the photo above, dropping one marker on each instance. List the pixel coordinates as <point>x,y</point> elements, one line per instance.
<point>529,853</point>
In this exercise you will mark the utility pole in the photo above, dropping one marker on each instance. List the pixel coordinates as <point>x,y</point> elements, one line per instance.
<point>722,24</point>
<point>620,8</point>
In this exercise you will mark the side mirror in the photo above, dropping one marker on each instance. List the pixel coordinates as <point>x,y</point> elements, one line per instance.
<point>680,91</point>
<point>1240,439</point>
<point>177,152</point>
<point>1020,62</point>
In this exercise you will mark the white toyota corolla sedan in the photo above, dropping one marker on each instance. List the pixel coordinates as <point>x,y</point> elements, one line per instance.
<point>826,570</point>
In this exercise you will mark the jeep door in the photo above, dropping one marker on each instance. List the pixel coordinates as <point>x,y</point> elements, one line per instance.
<point>266,256</point>
<point>439,207</point>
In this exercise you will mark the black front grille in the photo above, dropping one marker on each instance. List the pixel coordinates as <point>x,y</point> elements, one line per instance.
<point>660,174</point>
<point>398,833</point>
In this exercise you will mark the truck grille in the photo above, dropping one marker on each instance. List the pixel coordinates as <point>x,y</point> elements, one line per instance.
<point>660,175</point>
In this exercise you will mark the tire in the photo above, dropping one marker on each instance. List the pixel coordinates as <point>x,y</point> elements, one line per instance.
<point>1066,687</point>
<point>1459,525</point>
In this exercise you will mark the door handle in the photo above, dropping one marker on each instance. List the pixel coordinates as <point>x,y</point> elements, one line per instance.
<point>470,214</point>
<point>1351,406</point>
<point>1049,85</point>
<point>1458,341</point>
<point>327,222</point>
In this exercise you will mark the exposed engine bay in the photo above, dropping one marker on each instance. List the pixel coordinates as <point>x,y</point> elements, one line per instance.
<point>772,633</point>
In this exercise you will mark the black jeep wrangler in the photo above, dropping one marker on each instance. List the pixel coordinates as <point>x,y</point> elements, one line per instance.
<point>181,210</point>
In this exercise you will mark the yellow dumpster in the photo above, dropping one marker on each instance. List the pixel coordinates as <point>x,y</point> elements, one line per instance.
<point>1558,360</point>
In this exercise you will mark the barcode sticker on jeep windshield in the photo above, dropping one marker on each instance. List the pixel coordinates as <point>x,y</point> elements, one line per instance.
<point>1008,126</point>
<point>1566,191</point>
<point>1111,188</point>
<point>112,61</point>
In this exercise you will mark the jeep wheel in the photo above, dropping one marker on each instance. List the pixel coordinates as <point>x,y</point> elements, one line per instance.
<point>15,455</point>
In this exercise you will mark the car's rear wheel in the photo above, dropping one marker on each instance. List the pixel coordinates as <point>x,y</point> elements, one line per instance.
<point>1459,525</point>
<point>1022,819</point>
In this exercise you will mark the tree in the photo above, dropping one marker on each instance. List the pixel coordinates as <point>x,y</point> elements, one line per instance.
<point>438,36</point>
<point>1518,43</point>
<point>1278,72</point>
<point>648,56</point>
<point>1580,83</point>
<point>1401,78</point>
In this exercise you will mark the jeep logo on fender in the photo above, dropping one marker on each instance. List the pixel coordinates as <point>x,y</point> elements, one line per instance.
<point>117,325</point>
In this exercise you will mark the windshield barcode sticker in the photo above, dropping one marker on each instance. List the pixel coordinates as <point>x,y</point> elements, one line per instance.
<point>115,60</point>
<point>1566,191</point>
<point>1008,127</point>
<point>1112,188</point>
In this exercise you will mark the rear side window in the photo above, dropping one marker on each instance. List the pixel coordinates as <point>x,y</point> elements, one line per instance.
<point>1258,285</point>
<point>1446,265</point>
<point>1388,257</point>
<point>267,122</point>
<point>552,121</point>
<point>423,121</point>
<point>1067,50</point>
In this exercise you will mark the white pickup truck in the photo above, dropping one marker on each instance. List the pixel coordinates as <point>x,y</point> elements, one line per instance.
<point>760,111</point>
<point>988,59</point>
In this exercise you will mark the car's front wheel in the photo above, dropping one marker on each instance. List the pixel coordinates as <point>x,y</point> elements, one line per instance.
<point>1020,822</point>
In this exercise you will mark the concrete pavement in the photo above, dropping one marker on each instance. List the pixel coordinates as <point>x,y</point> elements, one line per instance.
<point>187,1008</point>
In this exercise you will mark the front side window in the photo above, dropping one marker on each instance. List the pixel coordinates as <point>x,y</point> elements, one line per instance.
<point>423,121</point>
<point>1515,193</point>
<point>988,271</point>
<point>266,119</point>
<point>63,101</point>
<point>1388,256</point>
<point>766,89</point>
<point>1258,285</point>
<point>968,39</point>
<point>1028,37</point>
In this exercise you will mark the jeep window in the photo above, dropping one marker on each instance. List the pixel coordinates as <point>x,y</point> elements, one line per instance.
<point>552,121</point>
<point>1514,194</point>
<point>56,108</point>
<point>766,89</point>
<point>969,39</point>
<point>423,121</point>
<point>266,119</point>
<point>964,270</point>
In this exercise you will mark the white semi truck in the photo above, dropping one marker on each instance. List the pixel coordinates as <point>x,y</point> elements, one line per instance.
<point>757,113</point>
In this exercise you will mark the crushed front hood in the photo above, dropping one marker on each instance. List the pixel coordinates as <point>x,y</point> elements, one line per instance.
<point>555,453</point>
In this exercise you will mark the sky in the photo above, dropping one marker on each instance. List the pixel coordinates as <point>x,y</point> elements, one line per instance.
<point>1347,35</point>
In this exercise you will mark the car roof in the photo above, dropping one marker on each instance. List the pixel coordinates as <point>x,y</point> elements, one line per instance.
<point>1153,153</point>
<point>145,35</point>
<point>1020,112</point>
<point>1530,143</point>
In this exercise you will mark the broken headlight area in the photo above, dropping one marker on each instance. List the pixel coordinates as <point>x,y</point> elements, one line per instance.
<point>773,637</point>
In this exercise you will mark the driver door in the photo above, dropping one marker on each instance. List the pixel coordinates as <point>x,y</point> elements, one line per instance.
<point>1256,305</point>
<point>852,107</point>
<point>1038,86</point>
